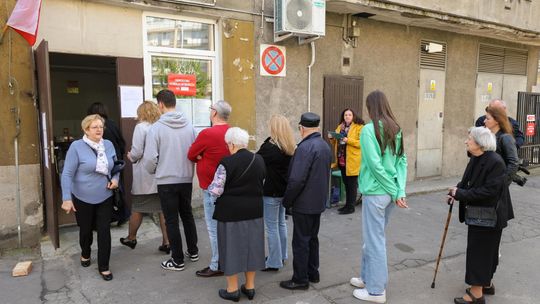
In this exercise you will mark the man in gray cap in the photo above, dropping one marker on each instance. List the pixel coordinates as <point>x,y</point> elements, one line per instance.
<point>306,195</point>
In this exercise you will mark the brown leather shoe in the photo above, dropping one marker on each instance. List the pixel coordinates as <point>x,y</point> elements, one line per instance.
<point>207,273</point>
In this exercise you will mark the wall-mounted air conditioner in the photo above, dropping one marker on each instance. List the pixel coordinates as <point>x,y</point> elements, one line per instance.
<point>300,18</point>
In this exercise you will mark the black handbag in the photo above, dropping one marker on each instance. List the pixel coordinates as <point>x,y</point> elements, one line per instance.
<point>481,216</point>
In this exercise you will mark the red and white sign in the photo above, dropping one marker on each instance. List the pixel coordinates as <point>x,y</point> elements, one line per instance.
<point>531,117</point>
<point>273,61</point>
<point>182,84</point>
<point>530,131</point>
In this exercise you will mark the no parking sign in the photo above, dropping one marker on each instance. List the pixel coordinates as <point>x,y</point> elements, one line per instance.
<point>273,60</point>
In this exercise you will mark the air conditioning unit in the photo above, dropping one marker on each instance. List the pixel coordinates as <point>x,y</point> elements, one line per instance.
<point>299,17</point>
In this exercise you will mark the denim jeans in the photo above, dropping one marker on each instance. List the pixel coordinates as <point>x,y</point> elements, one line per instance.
<point>211,226</point>
<point>276,231</point>
<point>176,199</point>
<point>376,211</point>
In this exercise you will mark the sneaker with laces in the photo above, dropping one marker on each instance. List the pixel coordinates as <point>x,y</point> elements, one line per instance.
<point>358,282</point>
<point>192,257</point>
<point>363,294</point>
<point>170,264</point>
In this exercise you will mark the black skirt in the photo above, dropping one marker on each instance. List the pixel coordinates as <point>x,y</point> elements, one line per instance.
<point>482,255</point>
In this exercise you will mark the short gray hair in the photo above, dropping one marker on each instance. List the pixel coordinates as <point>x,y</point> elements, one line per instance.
<point>223,109</point>
<point>484,138</point>
<point>236,136</point>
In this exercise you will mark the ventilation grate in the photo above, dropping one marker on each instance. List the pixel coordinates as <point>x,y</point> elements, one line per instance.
<point>499,60</point>
<point>436,60</point>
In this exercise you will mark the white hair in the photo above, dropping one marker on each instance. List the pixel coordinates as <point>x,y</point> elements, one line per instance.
<point>238,137</point>
<point>484,138</point>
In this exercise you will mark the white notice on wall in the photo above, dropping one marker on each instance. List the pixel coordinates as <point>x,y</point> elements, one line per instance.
<point>130,98</point>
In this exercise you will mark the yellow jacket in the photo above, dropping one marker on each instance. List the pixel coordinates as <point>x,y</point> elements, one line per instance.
<point>353,153</point>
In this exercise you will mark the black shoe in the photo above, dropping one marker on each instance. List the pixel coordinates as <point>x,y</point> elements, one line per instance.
<point>267,269</point>
<point>250,293</point>
<point>342,208</point>
<point>165,248</point>
<point>347,210</point>
<point>231,296</point>
<point>85,263</point>
<point>315,280</point>
<point>106,277</point>
<point>291,285</point>
<point>489,290</point>
<point>207,273</point>
<point>192,257</point>
<point>127,242</point>
<point>475,300</point>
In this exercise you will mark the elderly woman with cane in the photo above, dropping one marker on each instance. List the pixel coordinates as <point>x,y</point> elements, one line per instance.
<point>238,184</point>
<point>484,208</point>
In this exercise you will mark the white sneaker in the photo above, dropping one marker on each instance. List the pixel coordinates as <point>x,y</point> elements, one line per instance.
<point>364,295</point>
<point>358,282</point>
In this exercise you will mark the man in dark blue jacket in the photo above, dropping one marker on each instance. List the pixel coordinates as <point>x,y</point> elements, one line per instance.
<point>518,135</point>
<point>306,194</point>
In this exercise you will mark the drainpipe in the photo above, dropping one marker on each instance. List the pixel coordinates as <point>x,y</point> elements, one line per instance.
<point>309,75</point>
<point>14,87</point>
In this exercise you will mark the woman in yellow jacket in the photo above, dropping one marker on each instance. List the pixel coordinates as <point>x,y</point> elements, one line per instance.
<point>348,156</point>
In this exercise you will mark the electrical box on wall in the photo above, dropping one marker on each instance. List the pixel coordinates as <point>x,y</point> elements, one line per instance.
<point>302,18</point>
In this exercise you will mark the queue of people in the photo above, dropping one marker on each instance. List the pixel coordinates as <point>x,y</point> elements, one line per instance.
<point>246,195</point>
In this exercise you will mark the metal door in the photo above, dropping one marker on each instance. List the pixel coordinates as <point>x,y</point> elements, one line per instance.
<point>488,86</point>
<point>512,84</point>
<point>339,93</point>
<point>50,185</point>
<point>430,122</point>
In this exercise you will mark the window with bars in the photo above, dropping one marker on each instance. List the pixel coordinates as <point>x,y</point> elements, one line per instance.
<point>500,60</point>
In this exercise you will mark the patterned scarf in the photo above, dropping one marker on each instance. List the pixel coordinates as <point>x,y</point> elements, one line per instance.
<point>342,146</point>
<point>102,164</point>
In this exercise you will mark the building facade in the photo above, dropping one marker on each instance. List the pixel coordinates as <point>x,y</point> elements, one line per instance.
<point>439,64</point>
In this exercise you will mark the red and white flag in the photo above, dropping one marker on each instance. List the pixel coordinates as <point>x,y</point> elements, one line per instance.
<point>25,19</point>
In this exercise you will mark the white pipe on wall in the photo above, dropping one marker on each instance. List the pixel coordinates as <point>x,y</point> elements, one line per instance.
<point>309,75</point>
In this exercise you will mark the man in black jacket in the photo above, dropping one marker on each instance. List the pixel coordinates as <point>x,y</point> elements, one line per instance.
<point>518,135</point>
<point>306,194</point>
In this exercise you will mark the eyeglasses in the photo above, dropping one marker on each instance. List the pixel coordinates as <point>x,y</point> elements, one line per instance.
<point>212,108</point>
<point>97,127</point>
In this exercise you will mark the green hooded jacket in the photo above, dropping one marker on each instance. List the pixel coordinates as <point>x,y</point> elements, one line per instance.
<point>381,174</point>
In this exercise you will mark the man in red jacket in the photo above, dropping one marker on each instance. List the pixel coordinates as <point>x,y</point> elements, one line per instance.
<point>207,151</point>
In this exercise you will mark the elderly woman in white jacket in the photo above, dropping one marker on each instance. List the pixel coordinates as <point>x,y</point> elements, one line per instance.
<point>144,188</point>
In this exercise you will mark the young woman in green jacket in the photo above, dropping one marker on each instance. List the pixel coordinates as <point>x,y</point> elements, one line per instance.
<point>383,174</point>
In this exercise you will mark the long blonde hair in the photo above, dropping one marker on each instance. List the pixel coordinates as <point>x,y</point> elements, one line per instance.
<point>281,133</point>
<point>148,111</point>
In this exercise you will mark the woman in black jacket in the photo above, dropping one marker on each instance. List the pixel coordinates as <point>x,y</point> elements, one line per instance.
<point>238,187</point>
<point>276,151</point>
<point>483,184</point>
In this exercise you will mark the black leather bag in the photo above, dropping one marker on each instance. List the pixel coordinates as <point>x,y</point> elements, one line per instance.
<point>481,216</point>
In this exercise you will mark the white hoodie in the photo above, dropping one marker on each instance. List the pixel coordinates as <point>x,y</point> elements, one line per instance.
<point>166,149</point>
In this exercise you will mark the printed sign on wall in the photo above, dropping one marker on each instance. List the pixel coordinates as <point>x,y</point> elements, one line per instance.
<point>273,60</point>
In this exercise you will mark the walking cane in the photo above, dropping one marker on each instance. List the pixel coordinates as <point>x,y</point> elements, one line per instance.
<point>451,203</point>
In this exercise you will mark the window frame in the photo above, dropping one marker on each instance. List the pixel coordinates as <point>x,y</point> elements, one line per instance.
<point>213,56</point>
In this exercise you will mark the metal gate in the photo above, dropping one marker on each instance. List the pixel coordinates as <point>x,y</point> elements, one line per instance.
<point>529,104</point>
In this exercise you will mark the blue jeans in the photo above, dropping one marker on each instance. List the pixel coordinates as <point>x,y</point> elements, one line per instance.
<point>211,225</point>
<point>276,231</point>
<point>376,211</point>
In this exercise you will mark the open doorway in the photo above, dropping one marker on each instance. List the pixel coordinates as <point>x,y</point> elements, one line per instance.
<point>76,82</point>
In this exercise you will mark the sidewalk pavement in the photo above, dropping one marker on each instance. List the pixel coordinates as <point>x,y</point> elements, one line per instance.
<point>413,241</point>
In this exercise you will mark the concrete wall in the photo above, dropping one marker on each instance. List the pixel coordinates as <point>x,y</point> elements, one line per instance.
<point>82,27</point>
<point>521,14</point>
<point>20,65</point>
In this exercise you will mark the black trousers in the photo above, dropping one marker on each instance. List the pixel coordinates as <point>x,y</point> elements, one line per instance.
<point>482,255</point>
<point>176,199</point>
<point>305,247</point>
<point>351,187</point>
<point>98,216</point>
